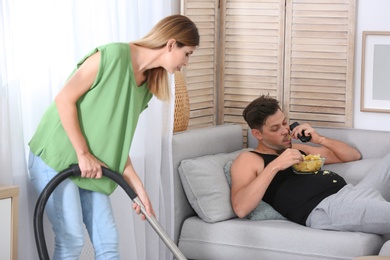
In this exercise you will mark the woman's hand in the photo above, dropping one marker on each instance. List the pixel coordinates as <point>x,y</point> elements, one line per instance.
<point>135,183</point>
<point>143,196</point>
<point>90,166</point>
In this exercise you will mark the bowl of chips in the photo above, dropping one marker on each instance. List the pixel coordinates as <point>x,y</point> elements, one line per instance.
<point>311,163</point>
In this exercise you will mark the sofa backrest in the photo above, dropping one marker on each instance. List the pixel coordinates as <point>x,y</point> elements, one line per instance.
<point>195,143</point>
<point>371,143</point>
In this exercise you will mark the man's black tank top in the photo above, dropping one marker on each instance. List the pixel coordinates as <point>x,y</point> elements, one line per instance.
<point>296,195</point>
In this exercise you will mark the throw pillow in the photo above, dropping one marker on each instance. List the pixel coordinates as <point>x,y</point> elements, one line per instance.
<point>263,211</point>
<point>205,186</point>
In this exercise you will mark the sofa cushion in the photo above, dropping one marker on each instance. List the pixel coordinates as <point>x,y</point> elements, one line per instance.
<point>385,250</point>
<point>263,211</point>
<point>271,239</point>
<point>205,186</point>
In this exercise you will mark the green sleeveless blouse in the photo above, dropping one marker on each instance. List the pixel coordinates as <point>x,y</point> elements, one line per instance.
<point>108,115</point>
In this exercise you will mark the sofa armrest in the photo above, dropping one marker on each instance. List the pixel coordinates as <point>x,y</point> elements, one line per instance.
<point>225,138</point>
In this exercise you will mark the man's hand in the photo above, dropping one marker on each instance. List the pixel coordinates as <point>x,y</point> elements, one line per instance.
<point>287,159</point>
<point>307,130</point>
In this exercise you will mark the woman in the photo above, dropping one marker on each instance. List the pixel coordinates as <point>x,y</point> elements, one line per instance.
<point>92,123</point>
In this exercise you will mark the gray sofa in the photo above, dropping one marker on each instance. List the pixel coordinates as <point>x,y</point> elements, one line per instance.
<point>205,226</point>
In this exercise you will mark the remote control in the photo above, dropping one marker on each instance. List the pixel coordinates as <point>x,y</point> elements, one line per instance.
<point>303,137</point>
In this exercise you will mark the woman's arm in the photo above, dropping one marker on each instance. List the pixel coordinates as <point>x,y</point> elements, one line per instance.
<point>77,85</point>
<point>131,177</point>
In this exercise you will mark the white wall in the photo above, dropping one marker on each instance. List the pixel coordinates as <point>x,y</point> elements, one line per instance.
<point>372,15</point>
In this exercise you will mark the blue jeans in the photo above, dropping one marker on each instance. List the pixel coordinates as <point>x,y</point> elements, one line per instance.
<point>69,208</point>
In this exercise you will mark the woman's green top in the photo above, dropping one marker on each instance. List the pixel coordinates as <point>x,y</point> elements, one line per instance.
<point>108,114</point>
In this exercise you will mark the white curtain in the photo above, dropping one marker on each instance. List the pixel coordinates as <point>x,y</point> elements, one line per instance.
<point>40,43</point>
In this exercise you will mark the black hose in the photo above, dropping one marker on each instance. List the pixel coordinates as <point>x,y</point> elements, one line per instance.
<point>73,170</point>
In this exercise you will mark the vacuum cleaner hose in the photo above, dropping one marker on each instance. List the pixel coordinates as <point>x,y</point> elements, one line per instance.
<point>74,170</point>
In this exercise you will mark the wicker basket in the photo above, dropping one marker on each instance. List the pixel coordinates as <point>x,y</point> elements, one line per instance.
<point>182,104</point>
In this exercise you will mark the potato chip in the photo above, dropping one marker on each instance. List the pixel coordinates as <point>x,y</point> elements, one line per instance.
<point>311,163</point>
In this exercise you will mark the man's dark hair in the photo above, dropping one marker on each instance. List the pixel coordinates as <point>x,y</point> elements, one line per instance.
<point>257,112</point>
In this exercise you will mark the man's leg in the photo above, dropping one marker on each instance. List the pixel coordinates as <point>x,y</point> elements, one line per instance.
<point>353,209</point>
<point>378,178</point>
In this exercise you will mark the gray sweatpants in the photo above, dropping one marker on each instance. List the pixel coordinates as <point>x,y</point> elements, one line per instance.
<point>364,207</point>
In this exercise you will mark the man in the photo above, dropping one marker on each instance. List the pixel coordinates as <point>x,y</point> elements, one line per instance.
<point>323,201</point>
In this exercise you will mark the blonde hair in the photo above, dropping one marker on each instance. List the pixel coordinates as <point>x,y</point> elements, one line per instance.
<point>177,27</point>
